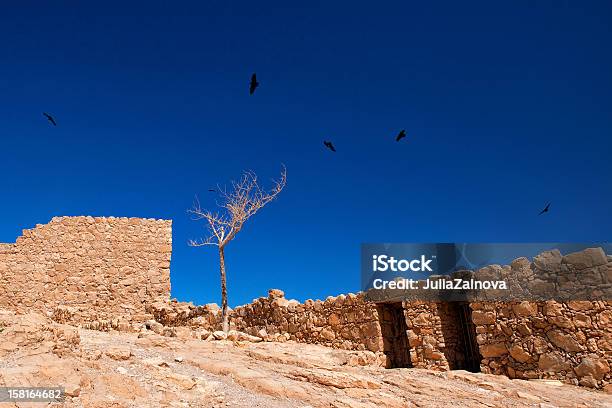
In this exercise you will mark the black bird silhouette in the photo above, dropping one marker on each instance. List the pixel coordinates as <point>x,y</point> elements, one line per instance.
<point>545,210</point>
<point>254,84</point>
<point>50,118</point>
<point>329,145</point>
<point>400,135</point>
<point>212,190</point>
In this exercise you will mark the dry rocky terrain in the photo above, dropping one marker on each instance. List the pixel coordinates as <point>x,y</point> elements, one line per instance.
<point>146,369</point>
<point>107,274</point>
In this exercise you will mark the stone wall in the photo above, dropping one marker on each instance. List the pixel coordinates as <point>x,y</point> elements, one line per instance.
<point>426,335</point>
<point>180,314</point>
<point>567,341</point>
<point>345,321</point>
<point>113,273</point>
<point>95,271</point>
<point>570,341</point>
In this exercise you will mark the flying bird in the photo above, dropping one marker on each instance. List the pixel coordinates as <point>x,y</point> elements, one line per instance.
<point>400,135</point>
<point>254,84</point>
<point>50,118</point>
<point>545,210</point>
<point>212,190</point>
<point>329,145</point>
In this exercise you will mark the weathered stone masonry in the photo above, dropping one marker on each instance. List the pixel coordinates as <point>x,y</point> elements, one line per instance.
<point>96,271</point>
<point>345,321</point>
<point>113,273</point>
<point>568,341</point>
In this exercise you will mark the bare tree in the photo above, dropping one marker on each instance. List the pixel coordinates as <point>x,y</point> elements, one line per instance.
<point>237,204</point>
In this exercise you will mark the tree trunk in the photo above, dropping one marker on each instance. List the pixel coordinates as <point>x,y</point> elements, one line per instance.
<point>224,316</point>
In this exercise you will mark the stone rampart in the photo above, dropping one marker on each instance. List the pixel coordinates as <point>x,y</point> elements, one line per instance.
<point>93,271</point>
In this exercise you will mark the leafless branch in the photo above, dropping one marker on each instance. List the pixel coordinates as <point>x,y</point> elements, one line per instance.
<point>237,204</point>
<point>201,242</point>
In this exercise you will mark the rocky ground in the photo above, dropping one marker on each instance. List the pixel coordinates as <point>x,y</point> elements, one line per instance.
<point>114,369</point>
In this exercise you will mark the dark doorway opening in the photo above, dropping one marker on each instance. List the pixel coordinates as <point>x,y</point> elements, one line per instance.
<point>395,337</point>
<point>461,349</point>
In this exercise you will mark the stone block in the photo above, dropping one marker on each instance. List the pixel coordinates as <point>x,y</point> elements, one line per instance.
<point>493,350</point>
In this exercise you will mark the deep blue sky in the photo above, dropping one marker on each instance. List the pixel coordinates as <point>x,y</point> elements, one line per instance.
<point>507,106</point>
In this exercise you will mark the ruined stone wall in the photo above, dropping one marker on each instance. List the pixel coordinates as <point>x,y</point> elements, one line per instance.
<point>345,321</point>
<point>426,335</point>
<point>570,341</point>
<point>180,314</point>
<point>567,341</point>
<point>96,271</point>
<point>107,273</point>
